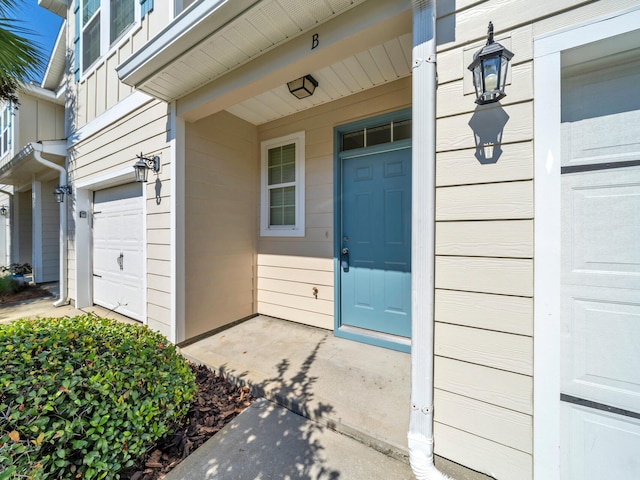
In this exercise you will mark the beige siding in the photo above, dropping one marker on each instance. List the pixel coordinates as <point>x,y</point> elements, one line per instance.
<point>38,119</point>
<point>220,222</point>
<point>290,267</point>
<point>99,88</point>
<point>23,241</point>
<point>114,149</point>
<point>50,234</point>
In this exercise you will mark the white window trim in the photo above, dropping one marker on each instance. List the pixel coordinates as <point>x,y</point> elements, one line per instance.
<point>266,230</point>
<point>548,50</point>
<point>8,128</point>
<point>106,47</point>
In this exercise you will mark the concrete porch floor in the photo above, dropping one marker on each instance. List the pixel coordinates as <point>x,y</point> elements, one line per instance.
<point>359,390</point>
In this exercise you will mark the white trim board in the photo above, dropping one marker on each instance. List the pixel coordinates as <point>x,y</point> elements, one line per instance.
<point>549,55</point>
<point>134,101</point>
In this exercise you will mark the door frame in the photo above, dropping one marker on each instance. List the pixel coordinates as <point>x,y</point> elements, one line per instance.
<point>371,337</point>
<point>548,53</point>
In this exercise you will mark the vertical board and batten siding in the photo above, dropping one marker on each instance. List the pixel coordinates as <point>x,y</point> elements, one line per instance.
<point>99,88</point>
<point>289,268</point>
<point>115,148</point>
<point>38,119</point>
<point>221,204</point>
<point>484,238</point>
<point>50,234</point>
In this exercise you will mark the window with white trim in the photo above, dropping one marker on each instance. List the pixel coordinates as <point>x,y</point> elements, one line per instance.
<point>282,186</point>
<point>6,116</point>
<point>103,23</point>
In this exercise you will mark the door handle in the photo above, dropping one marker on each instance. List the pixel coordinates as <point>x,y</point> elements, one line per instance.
<point>344,259</point>
<point>121,261</point>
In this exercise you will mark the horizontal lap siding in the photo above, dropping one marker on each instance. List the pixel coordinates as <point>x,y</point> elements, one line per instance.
<point>290,268</point>
<point>220,222</point>
<point>484,249</point>
<point>115,148</point>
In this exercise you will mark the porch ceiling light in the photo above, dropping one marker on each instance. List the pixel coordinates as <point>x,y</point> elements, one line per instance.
<point>143,165</point>
<point>60,191</point>
<point>489,68</point>
<point>4,211</point>
<point>303,87</point>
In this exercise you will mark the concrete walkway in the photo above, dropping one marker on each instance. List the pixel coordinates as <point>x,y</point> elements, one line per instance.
<point>356,389</point>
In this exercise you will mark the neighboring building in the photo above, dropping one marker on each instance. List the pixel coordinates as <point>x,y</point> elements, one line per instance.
<point>259,193</point>
<point>30,230</point>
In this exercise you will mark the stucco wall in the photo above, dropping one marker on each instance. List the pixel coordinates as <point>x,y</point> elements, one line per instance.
<point>220,221</point>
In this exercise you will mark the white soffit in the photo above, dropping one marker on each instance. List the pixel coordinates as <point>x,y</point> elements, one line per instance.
<point>58,7</point>
<point>168,67</point>
<point>380,64</point>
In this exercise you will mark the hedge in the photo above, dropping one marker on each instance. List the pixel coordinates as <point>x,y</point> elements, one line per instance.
<point>84,397</point>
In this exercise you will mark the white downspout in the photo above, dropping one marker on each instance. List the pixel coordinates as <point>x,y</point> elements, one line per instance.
<point>37,154</point>
<point>420,436</point>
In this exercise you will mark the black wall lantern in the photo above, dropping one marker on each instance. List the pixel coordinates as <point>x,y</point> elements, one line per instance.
<point>489,68</point>
<point>60,192</point>
<point>303,87</point>
<point>144,164</point>
<point>4,211</point>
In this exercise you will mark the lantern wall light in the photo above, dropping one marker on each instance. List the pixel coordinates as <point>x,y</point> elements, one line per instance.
<point>60,192</point>
<point>4,211</point>
<point>144,164</point>
<point>489,69</point>
<point>303,87</point>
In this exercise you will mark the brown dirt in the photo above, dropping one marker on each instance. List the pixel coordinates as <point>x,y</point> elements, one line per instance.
<point>217,403</point>
<point>29,292</point>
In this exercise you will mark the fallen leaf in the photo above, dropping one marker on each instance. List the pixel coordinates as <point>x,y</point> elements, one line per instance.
<point>15,436</point>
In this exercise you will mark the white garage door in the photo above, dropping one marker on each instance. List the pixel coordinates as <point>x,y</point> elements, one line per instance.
<point>600,390</point>
<point>118,249</point>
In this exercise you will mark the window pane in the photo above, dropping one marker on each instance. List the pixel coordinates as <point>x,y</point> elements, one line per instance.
<point>122,16</point>
<point>378,135</point>
<point>88,9</point>
<point>91,43</point>
<point>282,164</point>
<point>353,140</point>
<point>282,206</point>
<point>401,130</point>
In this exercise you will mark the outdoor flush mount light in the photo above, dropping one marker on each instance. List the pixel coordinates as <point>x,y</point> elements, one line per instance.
<point>60,191</point>
<point>144,164</point>
<point>303,87</point>
<point>489,68</point>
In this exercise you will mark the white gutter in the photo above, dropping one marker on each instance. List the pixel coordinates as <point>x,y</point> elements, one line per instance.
<point>57,148</point>
<point>420,435</point>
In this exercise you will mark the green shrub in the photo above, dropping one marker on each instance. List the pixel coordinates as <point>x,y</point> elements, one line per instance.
<point>9,285</point>
<point>84,397</point>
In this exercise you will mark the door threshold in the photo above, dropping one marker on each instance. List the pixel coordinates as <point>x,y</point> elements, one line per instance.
<point>379,339</point>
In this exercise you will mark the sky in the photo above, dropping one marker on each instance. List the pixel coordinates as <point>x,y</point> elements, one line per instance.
<point>44,25</point>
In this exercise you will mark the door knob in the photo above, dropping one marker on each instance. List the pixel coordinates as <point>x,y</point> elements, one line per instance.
<point>344,259</point>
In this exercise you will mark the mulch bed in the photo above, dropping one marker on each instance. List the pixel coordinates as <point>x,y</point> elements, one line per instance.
<point>27,293</point>
<point>217,403</point>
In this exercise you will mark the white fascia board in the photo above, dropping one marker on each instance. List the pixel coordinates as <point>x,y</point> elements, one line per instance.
<point>185,32</point>
<point>36,91</point>
<point>55,68</point>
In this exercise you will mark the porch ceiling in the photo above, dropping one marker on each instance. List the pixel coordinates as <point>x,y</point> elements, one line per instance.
<point>238,56</point>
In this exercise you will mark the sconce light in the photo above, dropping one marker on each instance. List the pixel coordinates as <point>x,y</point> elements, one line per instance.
<point>60,191</point>
<point>4,211</point>
<point>489,68</point>
<point>303,87</point>
<point>144,164</point>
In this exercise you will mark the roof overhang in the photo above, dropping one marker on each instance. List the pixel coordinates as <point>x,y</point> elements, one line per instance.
<point>217,55</point>
<point>58,7</point>
<point>22,168</point>
<point>188,29</point>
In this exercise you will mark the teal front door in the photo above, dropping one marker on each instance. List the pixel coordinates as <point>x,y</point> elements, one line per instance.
<point>375,250</point>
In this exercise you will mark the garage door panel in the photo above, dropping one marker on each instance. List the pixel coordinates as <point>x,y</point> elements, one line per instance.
<point>601,221</point>
<point>118,260</point>
<point>601,361</point>
<point>599,445</point>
